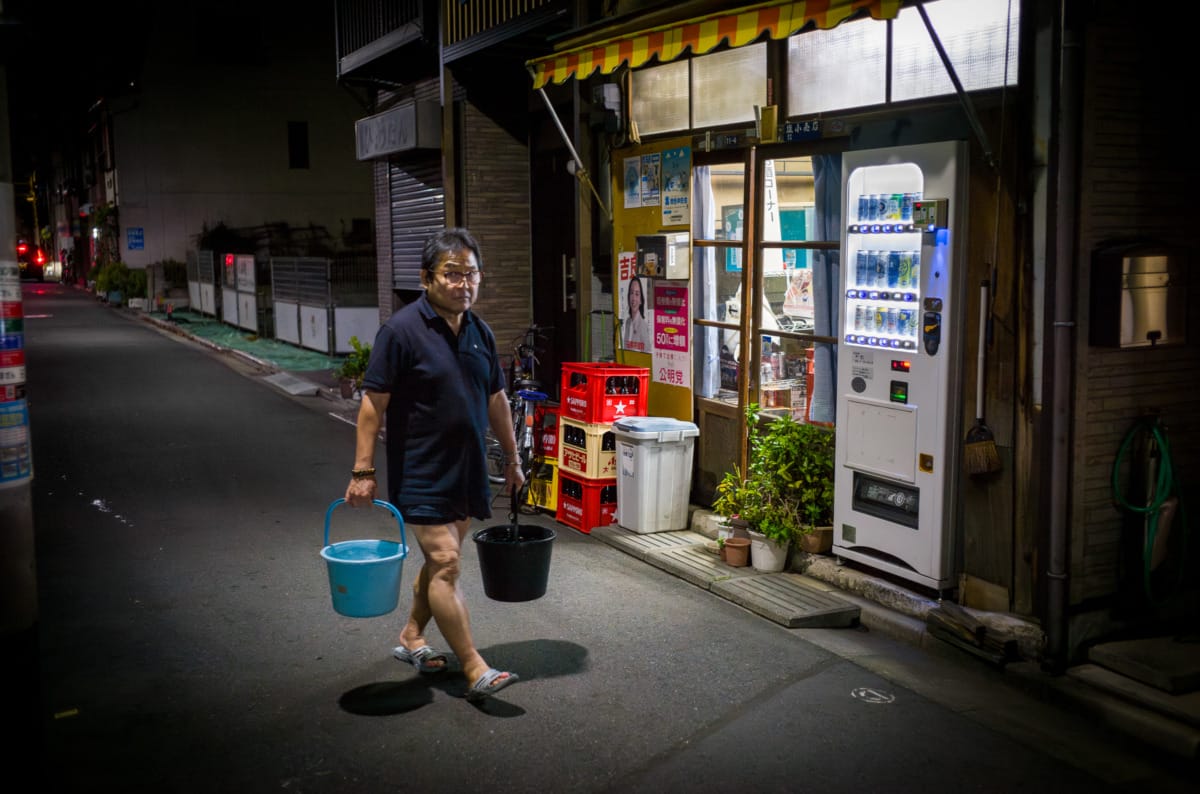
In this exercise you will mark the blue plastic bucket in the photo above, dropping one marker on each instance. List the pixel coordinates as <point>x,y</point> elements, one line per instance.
<point>364,575</point>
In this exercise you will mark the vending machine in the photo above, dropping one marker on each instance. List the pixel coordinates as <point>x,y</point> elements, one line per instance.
<point>898,360</point>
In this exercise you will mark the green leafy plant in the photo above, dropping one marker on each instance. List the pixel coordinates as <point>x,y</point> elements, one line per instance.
<point>117,277</point>
<point>788,487</point>
<point>355,365</point>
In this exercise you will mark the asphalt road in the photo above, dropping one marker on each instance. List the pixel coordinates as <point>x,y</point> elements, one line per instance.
<point>187,642</point>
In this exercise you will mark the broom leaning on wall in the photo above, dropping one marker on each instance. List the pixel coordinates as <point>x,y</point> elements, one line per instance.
<point>979,449</point>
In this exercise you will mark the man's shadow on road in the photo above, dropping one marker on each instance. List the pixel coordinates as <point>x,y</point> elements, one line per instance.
<point>531,660</point>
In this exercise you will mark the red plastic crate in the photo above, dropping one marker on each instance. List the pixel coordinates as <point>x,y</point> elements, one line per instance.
<point>584,504</point>
<point>592,392</point>
<point>546,423</point>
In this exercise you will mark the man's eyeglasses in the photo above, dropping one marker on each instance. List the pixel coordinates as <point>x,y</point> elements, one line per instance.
<point>456,277</point>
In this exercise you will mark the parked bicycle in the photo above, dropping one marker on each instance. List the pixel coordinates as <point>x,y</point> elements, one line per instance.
<point>525,395</point>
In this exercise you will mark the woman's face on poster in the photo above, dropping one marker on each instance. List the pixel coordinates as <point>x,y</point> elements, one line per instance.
<point>635,294</point>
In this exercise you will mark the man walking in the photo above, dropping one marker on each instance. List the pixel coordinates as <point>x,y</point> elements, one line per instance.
<point>435,374</point>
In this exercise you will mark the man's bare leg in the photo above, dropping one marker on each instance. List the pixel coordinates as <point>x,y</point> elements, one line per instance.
<point>442,544</point>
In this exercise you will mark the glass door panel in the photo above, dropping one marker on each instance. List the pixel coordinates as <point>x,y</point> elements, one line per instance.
<point>719,233</point>
<point>798,275</point>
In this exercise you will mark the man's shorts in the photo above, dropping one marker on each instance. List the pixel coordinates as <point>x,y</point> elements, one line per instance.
<point>425,514</point>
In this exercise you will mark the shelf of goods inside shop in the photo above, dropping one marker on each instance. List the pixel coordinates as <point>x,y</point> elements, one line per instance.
<point>587,449</point>
<point>598,392</point>
<point>585,504</point>
<point>784,395</point>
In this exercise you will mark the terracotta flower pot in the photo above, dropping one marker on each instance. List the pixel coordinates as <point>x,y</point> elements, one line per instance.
<point>740,527</point>
<point>737,552</point>
<point>819,541</point>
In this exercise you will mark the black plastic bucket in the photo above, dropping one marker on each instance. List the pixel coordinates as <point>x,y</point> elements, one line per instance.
<point>514,560</point>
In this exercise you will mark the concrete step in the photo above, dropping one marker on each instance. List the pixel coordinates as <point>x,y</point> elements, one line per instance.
<point>1169,663</point>
<point>785,598</point>
<point>1185,707</point>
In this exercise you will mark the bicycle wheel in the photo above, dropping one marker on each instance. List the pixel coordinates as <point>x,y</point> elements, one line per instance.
<point>495,459</point>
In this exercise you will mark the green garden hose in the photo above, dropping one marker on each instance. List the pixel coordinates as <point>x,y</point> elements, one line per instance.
<point>1164,488</point>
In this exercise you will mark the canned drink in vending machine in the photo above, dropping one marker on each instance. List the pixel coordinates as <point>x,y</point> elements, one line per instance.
<point>904,279</point>
<point>914,277</point>
<point>904,322</point>
<point>893,269</point>
<point>881,206</point>
<point>893,206</point>
<point>861,261</point>
<point>878,273</point>
<point>872,207</point>
<point>906,207</point>
<point>860,317</point>
<point>864,208</point>
<point>879,322</point>
<point>893,320</point>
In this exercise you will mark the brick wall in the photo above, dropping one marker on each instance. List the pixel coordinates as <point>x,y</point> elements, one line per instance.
<point>495,198</point>
<point>1137,180</point>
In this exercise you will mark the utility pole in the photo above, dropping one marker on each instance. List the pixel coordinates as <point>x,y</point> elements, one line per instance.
<point>18,579</point>
<point>19,661</point>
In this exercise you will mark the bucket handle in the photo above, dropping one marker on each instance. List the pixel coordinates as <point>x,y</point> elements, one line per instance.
<point>378,503</point>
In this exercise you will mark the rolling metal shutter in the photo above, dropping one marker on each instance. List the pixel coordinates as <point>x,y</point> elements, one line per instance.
<point>418,209</point>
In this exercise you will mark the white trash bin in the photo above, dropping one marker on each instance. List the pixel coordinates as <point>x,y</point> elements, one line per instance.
<point>654,472</point>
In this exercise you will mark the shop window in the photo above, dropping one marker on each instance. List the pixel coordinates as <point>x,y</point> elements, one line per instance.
<point>847,67</point>
<point>838,68</point>
<point>728,85</point>
<point>974,33</point>
<point>297,144</point>
<point>660,98</point>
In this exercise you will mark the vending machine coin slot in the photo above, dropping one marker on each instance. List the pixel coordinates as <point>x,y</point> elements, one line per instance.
<point>932,332</point>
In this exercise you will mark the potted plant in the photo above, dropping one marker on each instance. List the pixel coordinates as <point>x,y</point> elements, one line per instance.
<point>737,500</point>
<point>351,371</point>
<point>814,483</point>
<point>788,488</point>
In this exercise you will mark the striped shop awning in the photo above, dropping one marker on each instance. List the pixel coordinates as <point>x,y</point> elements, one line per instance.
<point>740,26</point>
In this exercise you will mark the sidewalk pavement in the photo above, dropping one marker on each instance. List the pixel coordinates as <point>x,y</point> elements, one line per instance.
<point>818,591</point>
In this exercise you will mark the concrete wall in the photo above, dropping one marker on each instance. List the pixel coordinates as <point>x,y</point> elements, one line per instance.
<point>205,138</point>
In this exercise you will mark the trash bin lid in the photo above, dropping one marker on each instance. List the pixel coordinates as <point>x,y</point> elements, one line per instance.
<point>659,428</point>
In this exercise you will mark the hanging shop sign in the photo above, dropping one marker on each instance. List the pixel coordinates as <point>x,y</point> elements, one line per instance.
<point>406,127</point>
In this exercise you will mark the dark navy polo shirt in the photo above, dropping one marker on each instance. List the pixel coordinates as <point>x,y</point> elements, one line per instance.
<point>437,413</point>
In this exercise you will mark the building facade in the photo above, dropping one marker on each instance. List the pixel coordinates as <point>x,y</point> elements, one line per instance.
<point>1064,159</point>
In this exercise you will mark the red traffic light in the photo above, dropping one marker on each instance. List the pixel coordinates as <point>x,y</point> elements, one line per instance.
<point>22,248</point>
